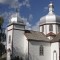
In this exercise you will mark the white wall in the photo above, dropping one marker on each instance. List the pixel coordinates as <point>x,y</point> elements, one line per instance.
<point>55,47</point>
<point>40,28</point>
<point>9,45</point>
<point>46,29</point>
<point>20,44</point>
<point>54,28</point>
<point>34,52</point>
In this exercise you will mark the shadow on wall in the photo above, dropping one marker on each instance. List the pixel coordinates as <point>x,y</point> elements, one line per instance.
<point>16,52</point>
<point>26,57</point>
<point>33,57</point>
<point>17,58</point>
<point>18,55</point>
<point>30,57</point>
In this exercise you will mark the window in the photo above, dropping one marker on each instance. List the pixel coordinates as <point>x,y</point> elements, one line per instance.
<point>41,50</point>
<point>54,55</point>
<point>58,28</point>
<point>42,28</point>
<point>9,38</point>
<point>50,27</point>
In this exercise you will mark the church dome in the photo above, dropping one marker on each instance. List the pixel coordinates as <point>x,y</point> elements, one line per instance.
<point>50,17</point>
<point>15,18</point>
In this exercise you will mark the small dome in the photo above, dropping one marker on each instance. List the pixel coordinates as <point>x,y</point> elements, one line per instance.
<point>15,18</point>
<point>50,17</point>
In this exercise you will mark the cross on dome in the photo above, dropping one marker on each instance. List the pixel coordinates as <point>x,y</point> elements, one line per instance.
<point>15,17</point>
<point>51,7</point>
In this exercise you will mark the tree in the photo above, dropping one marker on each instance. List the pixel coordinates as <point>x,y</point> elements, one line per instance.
<point>2,37</point>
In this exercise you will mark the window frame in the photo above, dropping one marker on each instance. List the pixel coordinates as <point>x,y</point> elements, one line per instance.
<point>41,50</point>
<point>9,38</point>
<point>58,28</point>
<point>43,28</point>
<point>51,27</point>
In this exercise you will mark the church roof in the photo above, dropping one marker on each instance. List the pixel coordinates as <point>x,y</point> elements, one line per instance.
<point>34,35</point>
<point>56,39</point>
<point>39,36</point>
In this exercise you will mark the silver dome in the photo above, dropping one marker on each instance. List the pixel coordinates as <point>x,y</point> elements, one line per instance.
<point>15,18</point>
<point>50,17</point>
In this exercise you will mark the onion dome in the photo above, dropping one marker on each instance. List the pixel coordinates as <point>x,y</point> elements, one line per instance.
<point>50,17</point>
<point>16,18</point>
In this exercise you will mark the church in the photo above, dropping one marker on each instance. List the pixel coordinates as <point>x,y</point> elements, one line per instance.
<point>34,45</point>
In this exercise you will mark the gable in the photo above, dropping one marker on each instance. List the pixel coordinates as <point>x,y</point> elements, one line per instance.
<point>56,39</point>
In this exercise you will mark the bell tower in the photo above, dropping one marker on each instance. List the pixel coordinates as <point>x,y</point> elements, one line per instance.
<point>15,36</point>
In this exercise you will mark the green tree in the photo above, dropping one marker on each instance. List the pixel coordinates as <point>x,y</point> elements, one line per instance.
<point>2,37</point>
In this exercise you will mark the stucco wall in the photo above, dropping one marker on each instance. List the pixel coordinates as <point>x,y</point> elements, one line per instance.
<point>34,52</point>
<point>55,47</point>
<point>46,29</point>
<point>9,45</point>
<point>20,44</point>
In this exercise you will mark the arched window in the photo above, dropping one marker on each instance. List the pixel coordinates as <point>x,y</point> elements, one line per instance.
<point>41,50</point>
<point>54,55</point>
<point>9,38</point>
<point>50,27</point>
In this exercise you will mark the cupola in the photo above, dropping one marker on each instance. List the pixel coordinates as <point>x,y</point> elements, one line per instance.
<point>50,23</point>
<point>51,17</point>
<point>16,18</point>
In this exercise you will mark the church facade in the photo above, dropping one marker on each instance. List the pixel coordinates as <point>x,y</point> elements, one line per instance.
<point>34,45</point>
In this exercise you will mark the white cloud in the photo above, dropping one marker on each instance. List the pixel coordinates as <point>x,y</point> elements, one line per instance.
<point>6,1</point>
<point>45,8</point>
<point>2,1</point>
<point>6,16</point>
<point>36,26</point>
<point>28,25</point>
<point>26,3</point>
<point>15,3</point>
<point>30,17</point>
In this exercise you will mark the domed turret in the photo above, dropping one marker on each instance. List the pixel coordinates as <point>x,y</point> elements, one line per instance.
<point>50,23</point>
<point>16,21</point>
<point>15,18</point>
<point>50,17</point>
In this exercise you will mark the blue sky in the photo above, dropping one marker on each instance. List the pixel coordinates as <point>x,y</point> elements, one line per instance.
<point>32,10</point>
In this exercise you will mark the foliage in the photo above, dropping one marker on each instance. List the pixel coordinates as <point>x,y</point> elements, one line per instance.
<point>2,58</point>
<point>1,21</point>
<point>2,37</point>
<point>2,49</point>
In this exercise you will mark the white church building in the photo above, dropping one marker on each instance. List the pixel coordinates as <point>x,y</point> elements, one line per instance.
<point>34,45</point>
